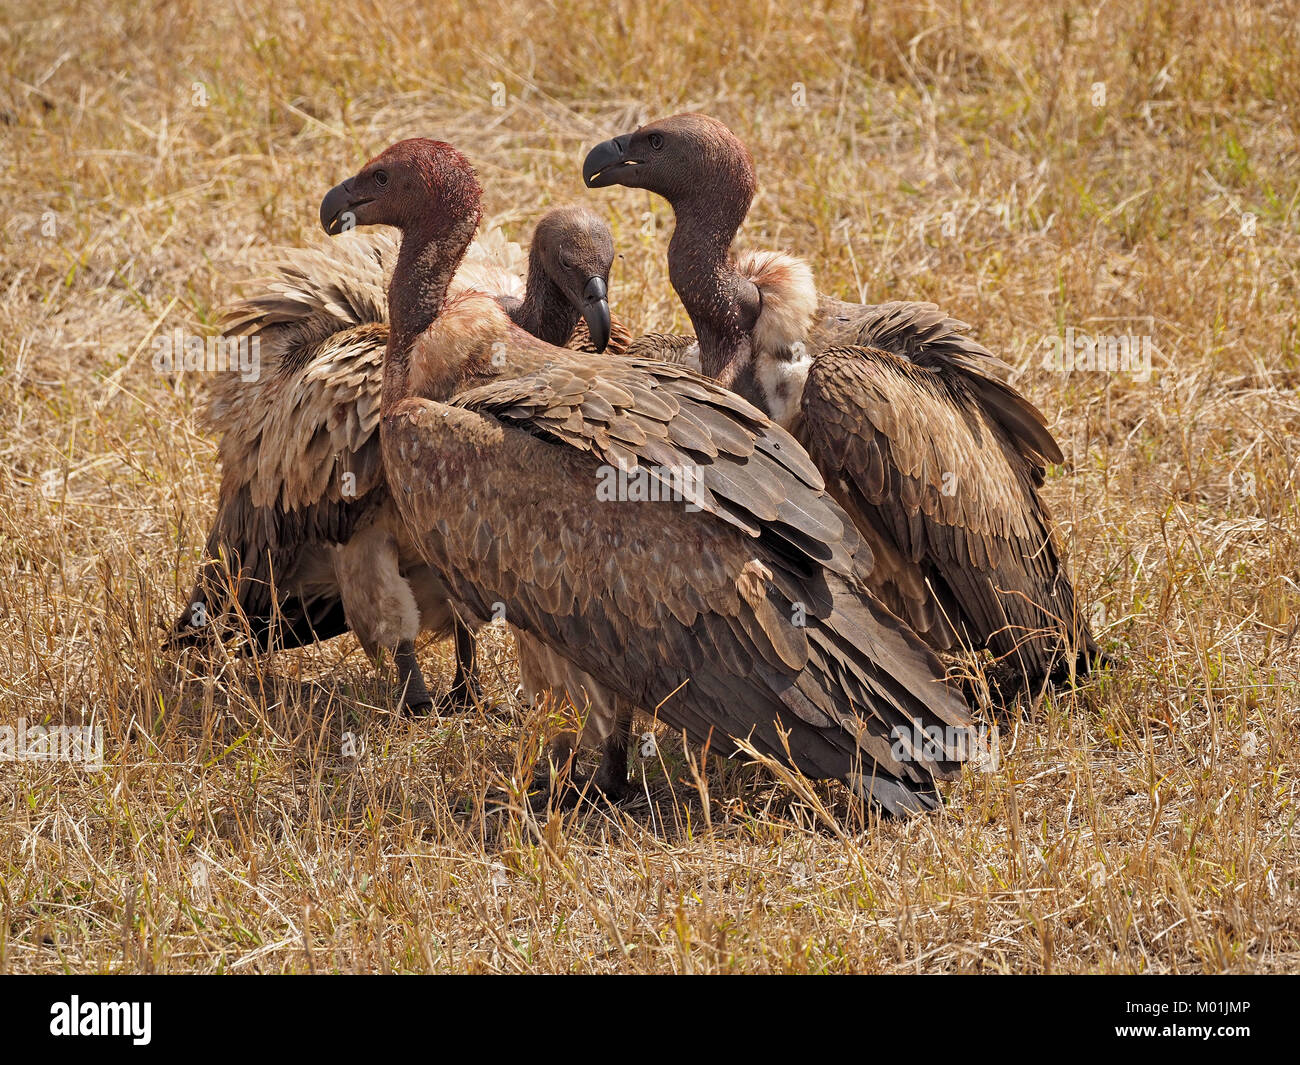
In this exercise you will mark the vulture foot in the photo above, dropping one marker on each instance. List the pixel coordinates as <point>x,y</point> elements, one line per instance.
<point>464,694</point>
<point>563,791</point>
<point>559,785</point>
<point>1010,686</point>
<point>462,697</point>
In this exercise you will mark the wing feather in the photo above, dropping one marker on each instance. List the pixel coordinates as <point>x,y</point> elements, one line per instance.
<point>936,481</point>
<point>708,614</point>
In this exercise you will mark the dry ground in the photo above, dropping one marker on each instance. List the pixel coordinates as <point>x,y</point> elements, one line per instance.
<point>1122,167</point>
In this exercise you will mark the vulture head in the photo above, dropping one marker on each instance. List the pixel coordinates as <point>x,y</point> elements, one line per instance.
<point>682,158</point>
<point>427,190</point>
<point>704,171</point>
<point>574,250</point>
<point>415,183</point>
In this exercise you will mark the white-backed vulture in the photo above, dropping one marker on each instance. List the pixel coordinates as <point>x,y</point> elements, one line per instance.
<point>735,613</point>
<point>936,459</point>
<point>306,536</point>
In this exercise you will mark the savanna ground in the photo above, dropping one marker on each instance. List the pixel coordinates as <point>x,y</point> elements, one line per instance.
<point>1127,167</point>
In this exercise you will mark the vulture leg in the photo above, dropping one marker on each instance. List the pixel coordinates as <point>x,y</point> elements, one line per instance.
<point>381,607</point>
<point>464,693</point>
<point>410,681</point>
<point>559,781</point>
<point>608,725</point>
<point>564,784</point>
<point>611,775</point>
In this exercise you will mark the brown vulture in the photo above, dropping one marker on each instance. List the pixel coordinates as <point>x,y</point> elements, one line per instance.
<point>937,460</point>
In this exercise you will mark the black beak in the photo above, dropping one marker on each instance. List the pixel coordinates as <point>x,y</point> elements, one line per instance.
<point>336,210</point>
<point>595,312</point>
<point>606,161</point>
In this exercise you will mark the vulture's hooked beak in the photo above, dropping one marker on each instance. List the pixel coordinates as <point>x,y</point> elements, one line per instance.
<point>595,311</point>
<point>338,209</point>
<point>608,162</point>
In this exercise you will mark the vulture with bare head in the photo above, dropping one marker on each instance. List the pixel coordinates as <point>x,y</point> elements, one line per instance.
<point>937,460</point>
<point>306,542</point>
<point>734,608</point>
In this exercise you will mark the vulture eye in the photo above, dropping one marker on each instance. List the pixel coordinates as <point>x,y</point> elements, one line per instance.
<point>381,178</point>
<point>656,141</point>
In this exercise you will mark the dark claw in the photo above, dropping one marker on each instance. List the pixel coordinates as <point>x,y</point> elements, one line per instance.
<point>416,699</point>
<point>563,791</point>
<point>462,697</point>
<point>418,705</point>
<point>612,789</point>
<point>560,786</point>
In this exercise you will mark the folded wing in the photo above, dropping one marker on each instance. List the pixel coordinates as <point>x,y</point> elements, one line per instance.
<point>740,617</point>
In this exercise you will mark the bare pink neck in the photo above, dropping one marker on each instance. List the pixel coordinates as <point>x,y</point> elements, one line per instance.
<point>721,303</point>
<point>426,264</point>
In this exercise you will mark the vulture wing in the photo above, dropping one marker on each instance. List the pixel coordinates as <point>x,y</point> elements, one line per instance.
<point>739,616</point>
<point>943,494</point>
<point>301,462</point>
<point>301,465</point>
<point>300,455</point>
<point>924,335</point>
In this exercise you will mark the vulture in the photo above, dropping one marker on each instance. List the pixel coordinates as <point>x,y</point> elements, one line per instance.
<point>306,542</point>
<point>935,458</point>
<point>734,606</point>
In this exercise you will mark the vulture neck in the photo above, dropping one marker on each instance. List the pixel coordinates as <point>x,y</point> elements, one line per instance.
<point>545,311</point>
<point>722,304</point>
<point>426,263</point>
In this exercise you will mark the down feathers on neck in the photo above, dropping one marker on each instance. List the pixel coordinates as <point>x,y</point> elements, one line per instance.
<point>789,304</point>
<point>789,299</point>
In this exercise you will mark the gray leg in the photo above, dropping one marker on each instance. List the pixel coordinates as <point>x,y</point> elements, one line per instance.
<point>464,693</point>
<point>611,775</point>
<point>566,784</point>
<point>410,681</point>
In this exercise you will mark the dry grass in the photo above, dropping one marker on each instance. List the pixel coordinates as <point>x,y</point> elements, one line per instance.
<point>949,151</point>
